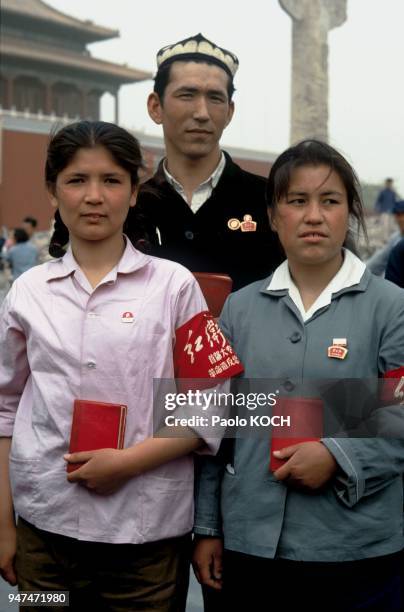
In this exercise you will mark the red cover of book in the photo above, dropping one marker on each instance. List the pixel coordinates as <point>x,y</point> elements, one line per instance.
<point>306,424</point>
<point>96,425</point>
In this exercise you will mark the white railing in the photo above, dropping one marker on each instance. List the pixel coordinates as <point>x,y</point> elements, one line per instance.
<point>39,116</point>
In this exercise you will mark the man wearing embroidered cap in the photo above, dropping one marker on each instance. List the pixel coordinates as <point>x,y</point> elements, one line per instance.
<point>193,210</point>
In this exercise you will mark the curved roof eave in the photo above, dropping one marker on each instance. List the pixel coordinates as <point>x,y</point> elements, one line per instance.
<point>40,11</point>
<point>123,74</point>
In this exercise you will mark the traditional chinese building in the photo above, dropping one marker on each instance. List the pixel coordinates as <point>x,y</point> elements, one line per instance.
<point>46,66</point>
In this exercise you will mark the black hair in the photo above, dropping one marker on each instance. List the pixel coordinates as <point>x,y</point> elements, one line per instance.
<point>162,78</point>
<point>31,220</point>
<point>317,153</point>
<point>20,235</point>
<point>64,145</point>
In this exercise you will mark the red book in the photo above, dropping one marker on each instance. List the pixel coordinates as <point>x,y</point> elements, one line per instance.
<point>306,424</point>
<point>96,425</point>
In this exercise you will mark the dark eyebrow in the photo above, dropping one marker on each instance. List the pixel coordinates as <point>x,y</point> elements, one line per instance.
<point>84,174</point>
<point>305,193</point>
<point>186,89</point>
<point>190,89</point>
<point>331,192</point>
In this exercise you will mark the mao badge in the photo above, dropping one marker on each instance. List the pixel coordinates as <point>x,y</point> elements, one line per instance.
<point>338,350</point>
<point>246,225</point>
<point>127,317</point>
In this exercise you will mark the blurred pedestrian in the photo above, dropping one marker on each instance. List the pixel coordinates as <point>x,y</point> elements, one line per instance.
<point>29,224</point>
<point>40,240</point>
<point>22,255</point>
<point>384,205</point>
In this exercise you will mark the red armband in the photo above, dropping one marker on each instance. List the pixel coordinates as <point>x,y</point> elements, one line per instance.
<point>393,387</point>
<point>202,351</point>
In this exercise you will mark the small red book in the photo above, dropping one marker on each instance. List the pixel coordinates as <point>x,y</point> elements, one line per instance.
<point>96,425</point>
<point>306,425</point>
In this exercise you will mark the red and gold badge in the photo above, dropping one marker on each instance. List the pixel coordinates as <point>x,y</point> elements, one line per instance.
<point>338,350</point>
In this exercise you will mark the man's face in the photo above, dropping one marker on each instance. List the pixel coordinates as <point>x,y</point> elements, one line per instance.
<point>195,109</point>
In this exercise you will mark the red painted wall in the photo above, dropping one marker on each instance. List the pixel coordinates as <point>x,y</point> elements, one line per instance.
<point>22,190</point>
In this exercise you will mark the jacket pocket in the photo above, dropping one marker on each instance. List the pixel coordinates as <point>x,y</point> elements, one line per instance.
<point>24,486</point>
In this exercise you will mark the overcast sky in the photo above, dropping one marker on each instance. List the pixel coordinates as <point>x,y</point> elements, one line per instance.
<point>366,57</point>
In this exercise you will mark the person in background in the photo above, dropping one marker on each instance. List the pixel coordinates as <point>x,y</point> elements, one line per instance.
<point>395,265</point>
<point>30,224</point>
<point>323,528</point>
<point>386,198</point>
<point>384,205</point>
<point>3,238</point>
<point>22,255</point>
<point>378,262</point>
<point>200,208</point>
<point>40,240</point>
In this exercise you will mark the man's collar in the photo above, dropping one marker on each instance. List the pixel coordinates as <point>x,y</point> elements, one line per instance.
<point>213,179</point>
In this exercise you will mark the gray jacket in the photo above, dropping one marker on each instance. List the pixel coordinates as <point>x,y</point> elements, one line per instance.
<point>359,514</point>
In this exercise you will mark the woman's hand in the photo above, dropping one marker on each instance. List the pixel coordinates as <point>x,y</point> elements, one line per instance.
<point>8,548</point>
<point>207,561</point>
<point>104,471</point>
<point>309,465</point>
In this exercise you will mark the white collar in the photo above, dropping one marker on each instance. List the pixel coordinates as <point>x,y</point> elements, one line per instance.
<point>131,260</point>
<point>212,180</point>
<point>349,274</point>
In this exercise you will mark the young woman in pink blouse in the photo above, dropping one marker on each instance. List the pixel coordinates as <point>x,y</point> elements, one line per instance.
<point>64,335</point>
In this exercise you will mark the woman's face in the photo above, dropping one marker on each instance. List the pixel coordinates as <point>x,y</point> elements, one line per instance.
<point>93,194</point>
<point>312,218</point>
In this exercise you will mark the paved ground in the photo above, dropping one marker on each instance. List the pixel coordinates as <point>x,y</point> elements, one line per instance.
<point>194,598</point>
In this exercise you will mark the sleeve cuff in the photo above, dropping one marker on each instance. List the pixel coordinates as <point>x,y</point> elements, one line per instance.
<point>6,430</point>
<point>207,531</point>
<point>349,485</point>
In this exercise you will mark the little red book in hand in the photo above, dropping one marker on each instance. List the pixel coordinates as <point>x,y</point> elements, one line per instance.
<point>306,425</point>
<point>96,425</point>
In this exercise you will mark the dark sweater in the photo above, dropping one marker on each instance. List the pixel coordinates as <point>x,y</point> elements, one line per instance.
<point>202,241</point>
<point>395,265</point>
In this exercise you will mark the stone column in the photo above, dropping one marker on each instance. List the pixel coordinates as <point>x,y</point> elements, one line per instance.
<point>83,103</point>
<point>116,96</point>
<point>312,20</point>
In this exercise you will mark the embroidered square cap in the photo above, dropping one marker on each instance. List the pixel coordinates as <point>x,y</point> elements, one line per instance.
<point>198,47</point>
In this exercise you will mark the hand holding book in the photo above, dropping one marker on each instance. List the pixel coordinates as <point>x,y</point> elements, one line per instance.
<point>103,471</point>
<point>97,436</point>
<point>96,457</point>
<point>309,465</point>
